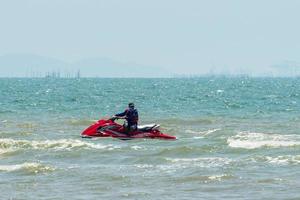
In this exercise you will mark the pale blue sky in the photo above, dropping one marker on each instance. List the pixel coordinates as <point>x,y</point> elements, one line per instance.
<point>187,36</point>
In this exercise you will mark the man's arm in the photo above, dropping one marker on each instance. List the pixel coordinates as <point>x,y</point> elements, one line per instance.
<point>122,114</point>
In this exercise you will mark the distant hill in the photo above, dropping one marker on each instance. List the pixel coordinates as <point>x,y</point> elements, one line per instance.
<point>21,65</point>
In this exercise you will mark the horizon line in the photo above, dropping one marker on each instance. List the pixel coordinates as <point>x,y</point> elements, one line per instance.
<point>163,77</point>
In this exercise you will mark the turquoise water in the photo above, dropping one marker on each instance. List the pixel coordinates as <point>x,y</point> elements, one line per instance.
<point>238,138</point>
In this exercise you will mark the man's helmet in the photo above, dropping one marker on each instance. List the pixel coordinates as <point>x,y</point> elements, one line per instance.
<point>131,105</point>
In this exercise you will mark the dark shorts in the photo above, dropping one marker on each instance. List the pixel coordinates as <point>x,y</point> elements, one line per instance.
<point>132,127</point>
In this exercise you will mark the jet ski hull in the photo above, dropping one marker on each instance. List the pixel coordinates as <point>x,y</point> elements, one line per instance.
<point>108,128</point>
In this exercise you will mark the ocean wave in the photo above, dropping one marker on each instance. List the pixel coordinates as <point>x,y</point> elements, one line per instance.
<point>135,147</point>
<point>220,177</point>
<point>174,164</point>
<point>27,167</point>
<point>187,149</point>
<point>61,144</point>
<point>270,180</point>
<point>207,132</point>
<point>279,160</point>
<point>248,140</point>
<point>205,179</point>
<point>27,125</point>
<point>201,162</point>
<point>4,134</point>
<point>145,166</point>
<point>177,150</point>
<point>3,152</point>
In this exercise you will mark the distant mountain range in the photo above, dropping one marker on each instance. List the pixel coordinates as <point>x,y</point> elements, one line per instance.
<point>21,65</point>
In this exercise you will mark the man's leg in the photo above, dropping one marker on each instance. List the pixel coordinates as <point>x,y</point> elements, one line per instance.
<point>133,127</point>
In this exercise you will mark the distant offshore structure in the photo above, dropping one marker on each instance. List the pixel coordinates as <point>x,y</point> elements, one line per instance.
<point>55,74</point>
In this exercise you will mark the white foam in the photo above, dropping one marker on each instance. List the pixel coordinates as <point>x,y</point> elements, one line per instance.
<point>135,147</point>
<point>219,177</point>
<point>144,166</point>
<point>248,140</point>
<point>61,144</point>
<point>283,160</point>
<point>186,163</point>
<point>207,132</point>
<point>198,137</point>
<point>277,160</point>
<point>202,162</point>
<point>29,167</point>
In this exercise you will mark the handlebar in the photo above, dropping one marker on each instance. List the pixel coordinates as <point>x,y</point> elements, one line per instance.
<point>116,118</point>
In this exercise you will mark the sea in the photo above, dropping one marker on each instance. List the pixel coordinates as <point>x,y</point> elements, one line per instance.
<point>237,138</point>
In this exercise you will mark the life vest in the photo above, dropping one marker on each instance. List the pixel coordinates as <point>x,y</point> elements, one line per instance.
<point>132,116</point>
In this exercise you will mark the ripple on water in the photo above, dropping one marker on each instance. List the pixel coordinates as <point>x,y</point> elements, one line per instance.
<point>205,178</point>
<point>82,122</point>
<point>201,161</point>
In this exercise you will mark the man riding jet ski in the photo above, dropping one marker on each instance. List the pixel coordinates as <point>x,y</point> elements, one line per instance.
<point>109,128</point>
<point>132,117</point>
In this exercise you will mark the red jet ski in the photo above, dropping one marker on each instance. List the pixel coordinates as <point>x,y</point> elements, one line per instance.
<point>109,128</point>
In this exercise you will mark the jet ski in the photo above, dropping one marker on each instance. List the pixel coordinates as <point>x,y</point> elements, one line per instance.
<point>109,128</point>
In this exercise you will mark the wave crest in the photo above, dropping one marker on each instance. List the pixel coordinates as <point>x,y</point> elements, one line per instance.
<point>202,162</point>
<point>27,167</point>
<point>61,144</point>
<point>279,160</point>
<point>207,132</point>
<point>258,140</point>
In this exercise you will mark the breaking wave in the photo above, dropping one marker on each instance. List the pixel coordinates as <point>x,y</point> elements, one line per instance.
<point>27,167</point>
<point>201,162</point>
<point>279,160</point>
<point>61,144</point>
<point>258,140</point>
<point>205,179</point>
<point>207,132</point>
<point>4,152</point>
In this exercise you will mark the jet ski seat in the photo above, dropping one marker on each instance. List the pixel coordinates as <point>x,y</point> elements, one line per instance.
<point>148,127</point>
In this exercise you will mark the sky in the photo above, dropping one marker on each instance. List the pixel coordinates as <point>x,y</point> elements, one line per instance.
<point>184,37</point>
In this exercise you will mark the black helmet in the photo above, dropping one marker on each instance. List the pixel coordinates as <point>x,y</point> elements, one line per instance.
<point>131,105</point>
